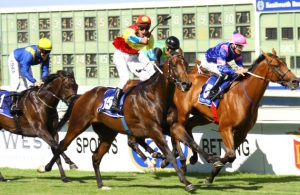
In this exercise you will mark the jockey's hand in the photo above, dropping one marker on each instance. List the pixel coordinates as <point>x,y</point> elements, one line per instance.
<point>38,83</point>
<point>148,34</point>
<point>241,71</point>
<point>145,40</point>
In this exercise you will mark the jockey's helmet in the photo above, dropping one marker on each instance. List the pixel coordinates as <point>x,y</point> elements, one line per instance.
<point>143,21</point>
<point>172,43</point>
<point>238,39</point>
<point>45,44</point>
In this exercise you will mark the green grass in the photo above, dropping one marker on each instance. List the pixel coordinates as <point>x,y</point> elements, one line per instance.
<point>130,183</point>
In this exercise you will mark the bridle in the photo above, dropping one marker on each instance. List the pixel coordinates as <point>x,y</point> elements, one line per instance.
<point>273,68</point>
<point>170,77</point>
<point>61,99</point>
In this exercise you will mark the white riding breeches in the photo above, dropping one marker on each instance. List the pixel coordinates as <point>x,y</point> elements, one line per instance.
<point>210,66</point>
<point>138,64</point>
<point>14,70</point>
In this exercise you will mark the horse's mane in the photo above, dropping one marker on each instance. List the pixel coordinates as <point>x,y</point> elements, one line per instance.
<point>53,76</point>
<point>260,58</point>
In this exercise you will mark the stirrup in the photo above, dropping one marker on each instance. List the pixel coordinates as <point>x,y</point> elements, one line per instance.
<point>115,109</point>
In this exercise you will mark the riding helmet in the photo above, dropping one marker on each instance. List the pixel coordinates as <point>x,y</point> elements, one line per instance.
<point>172,42</point>
<point>45,44</point>
<point>143,21</point>
<point>238,39</point>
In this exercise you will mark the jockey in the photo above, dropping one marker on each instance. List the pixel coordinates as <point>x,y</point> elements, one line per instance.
<point>216,60</point>
<point>20,62</point>
<point>128,58</point>
<point>160,48</point>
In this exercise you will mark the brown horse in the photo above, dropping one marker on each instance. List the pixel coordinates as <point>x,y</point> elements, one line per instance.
<point>236,120</point>
<point>145,111</point>
<point>238,109</point>
<point>39,117</point>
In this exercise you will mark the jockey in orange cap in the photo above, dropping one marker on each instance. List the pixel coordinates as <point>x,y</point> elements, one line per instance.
<point>128,58</point>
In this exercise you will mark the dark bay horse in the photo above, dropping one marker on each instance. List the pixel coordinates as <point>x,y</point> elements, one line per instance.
<point>238,109</point>
<point>39,117</point>
<point>145,111</point>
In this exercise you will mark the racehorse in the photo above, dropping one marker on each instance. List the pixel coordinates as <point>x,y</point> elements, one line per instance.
<point>238,109</point>
<point>236,116</point>
<point>145,111</point>
<point>39,116</point>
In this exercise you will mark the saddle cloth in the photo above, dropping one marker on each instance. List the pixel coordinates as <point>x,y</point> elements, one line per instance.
<point>107,102</point>
<point>5,101</point>
<point>204,94</point>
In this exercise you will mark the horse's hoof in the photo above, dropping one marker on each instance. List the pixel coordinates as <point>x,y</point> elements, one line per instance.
<point>193,160</point>
<point>66,180</point>
<point>41,169</point>
<point>4,180</point>
<point>190,187</point>
<point>163,164</point>
<point>218,164</point>
<point>208,181</point>
<point>73,166</point>
<point>105,188</point>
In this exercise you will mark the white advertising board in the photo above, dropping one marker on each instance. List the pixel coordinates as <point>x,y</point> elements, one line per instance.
<point>268,148</point>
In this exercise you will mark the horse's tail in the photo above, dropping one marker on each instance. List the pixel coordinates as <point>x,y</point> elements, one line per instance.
<point>67,115</point>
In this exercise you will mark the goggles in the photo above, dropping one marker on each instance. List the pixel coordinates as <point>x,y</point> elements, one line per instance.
<point>143,28</point>
<point>45,51</point>
<point>240,47</point>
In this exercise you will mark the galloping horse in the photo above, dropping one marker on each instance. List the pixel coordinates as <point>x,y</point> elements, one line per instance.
<point>39,117</point>
<point>236,116</point>
<point>238,109</point>
<point>145,111</point>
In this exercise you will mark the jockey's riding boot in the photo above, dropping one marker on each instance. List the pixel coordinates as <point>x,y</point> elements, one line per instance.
<point>115,102</point>
<point>13,105</point>
<point>215,89</point>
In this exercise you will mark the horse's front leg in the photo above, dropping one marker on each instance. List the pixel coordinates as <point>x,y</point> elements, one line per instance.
<point>230,156</point>
<point>159,140</point>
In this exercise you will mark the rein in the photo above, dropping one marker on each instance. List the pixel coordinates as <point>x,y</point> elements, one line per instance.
<point>65,101</point>
<point>170,77</point>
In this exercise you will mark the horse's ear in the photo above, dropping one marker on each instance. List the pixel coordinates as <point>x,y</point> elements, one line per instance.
<point>168,54</point>
<point>180,51</point>
<point>274,52</point>
<point>197,61</point>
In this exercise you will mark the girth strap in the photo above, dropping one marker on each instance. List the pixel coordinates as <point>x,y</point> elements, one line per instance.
<point>18,126</point>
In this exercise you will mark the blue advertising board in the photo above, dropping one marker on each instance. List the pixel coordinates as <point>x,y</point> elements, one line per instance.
<point>277,5</point>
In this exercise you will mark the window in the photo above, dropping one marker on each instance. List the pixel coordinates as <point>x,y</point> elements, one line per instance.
<point>215,25</point>
<point>287,33</point>
<point>190,57</point>
<point>163,30</point>
<point>189,23</point>
<point>295,61</point>
<point>246,55</point>
<point>298,32</point>
<point>242,21</point>
<point>271,33</point>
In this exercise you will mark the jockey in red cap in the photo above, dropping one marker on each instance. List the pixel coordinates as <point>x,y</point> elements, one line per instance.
<point>128,58</point>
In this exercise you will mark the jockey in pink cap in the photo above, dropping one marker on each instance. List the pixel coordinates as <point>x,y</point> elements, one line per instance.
<point>216,59</point>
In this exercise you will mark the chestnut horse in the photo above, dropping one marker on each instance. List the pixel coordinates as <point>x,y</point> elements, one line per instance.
<point>146,108</point>
<point>238,109</point>
<point>236,120</point>
<point>39,117</point>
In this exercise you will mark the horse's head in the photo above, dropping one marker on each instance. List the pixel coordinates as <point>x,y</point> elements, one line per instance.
<point>280,73</point>
<point>62,84</point>
<point>175,68</point>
